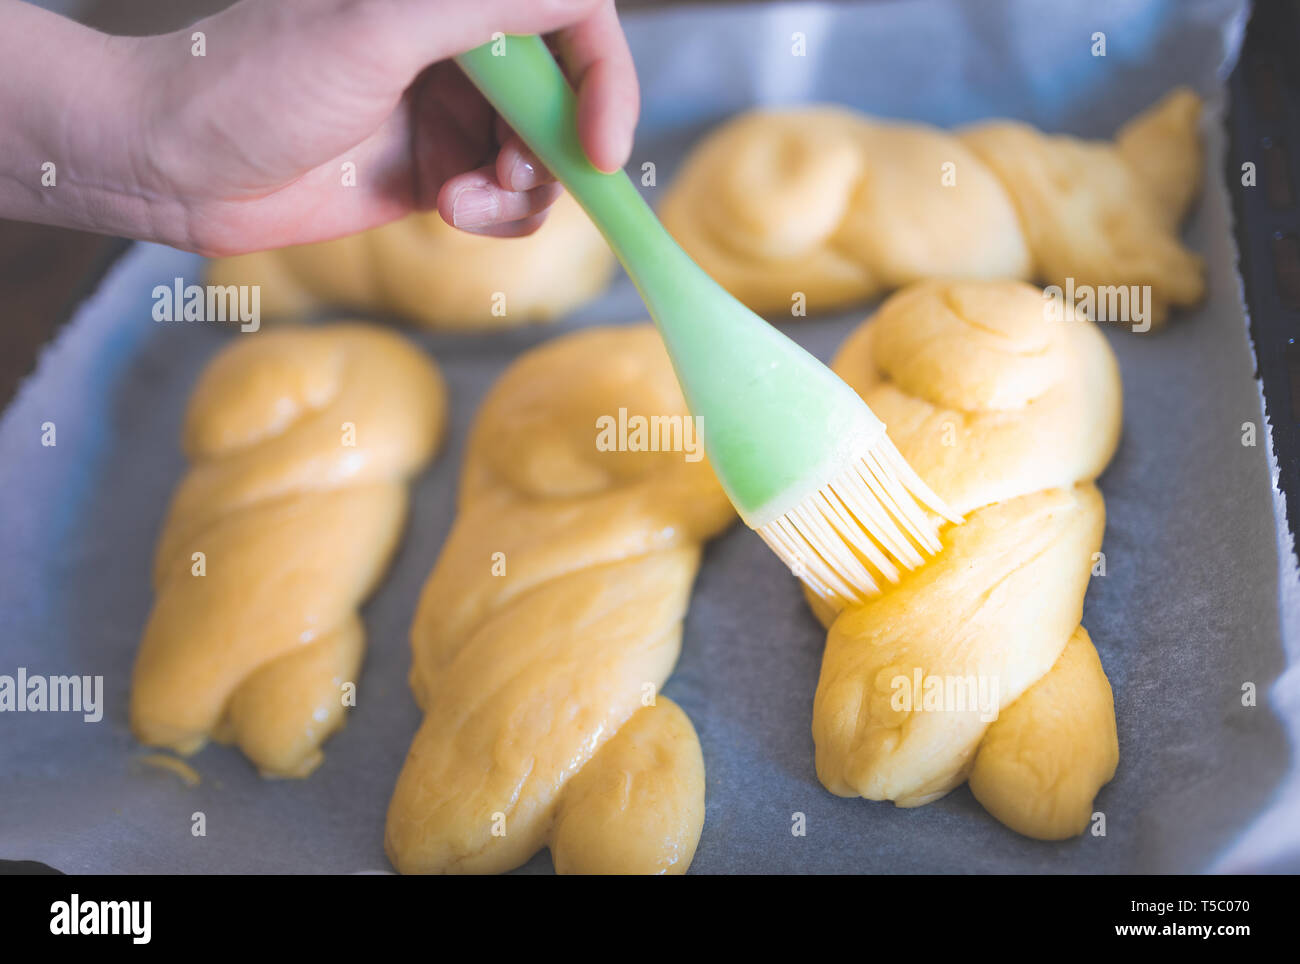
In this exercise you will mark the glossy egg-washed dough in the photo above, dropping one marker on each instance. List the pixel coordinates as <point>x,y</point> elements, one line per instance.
<point>295,525</point>
<point>841,207</point>
<point>548,625</point>
<point>433,275</point>
<point>1009,416</point>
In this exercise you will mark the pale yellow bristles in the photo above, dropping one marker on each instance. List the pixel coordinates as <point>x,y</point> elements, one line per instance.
<point>861,529</point>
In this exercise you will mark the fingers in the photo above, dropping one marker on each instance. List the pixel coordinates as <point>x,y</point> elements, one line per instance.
<point>475,201</point>
<point>506,194</point>
<point>596,54</point>
<point>415,33</point>
<point>451,130</point>
<point>513,229</point>
<point>518,169</point>
<point>468,163</point>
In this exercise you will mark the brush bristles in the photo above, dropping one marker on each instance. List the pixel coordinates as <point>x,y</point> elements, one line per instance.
<point>861,529</point>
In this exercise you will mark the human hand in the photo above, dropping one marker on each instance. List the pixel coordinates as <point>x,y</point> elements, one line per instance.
<point>245,147</point>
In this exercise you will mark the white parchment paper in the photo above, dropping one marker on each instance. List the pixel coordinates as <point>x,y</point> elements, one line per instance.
<point>1200,594</point>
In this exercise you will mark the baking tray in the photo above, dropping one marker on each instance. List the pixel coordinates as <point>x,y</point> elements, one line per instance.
<point>1199,596</point>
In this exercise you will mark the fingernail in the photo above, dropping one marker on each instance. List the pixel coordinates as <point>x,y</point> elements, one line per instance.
<point>474,207</point>
<point>523,174</point>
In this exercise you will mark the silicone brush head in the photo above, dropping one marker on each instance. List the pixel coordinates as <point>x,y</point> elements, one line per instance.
<point>865,527</point>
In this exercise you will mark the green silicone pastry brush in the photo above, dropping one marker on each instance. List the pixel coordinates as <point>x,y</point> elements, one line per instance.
<point>800,455</point>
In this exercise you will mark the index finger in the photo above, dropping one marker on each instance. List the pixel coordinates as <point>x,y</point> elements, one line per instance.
<point>594,51</point>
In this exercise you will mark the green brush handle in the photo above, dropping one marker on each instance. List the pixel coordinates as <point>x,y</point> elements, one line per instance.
<point>775,419</point>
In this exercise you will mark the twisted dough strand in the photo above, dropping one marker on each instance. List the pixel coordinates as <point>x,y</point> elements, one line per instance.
<point>825,201</point>
<point>1009,416</point>
<point>534,681</point>
<point>296,527</point>
<point>421,269</point>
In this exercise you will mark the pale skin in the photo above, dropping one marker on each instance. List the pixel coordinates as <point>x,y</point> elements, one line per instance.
<point>244,148</point>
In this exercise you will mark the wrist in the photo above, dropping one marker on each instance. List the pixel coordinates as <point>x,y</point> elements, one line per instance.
<point>75,102</point>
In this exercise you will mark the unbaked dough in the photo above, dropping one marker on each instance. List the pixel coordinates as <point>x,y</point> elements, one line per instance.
<point>1009,417</point>
<point>433,275</point>
<point>301,443</point>
<point>837,207</point>
<point>548,625</point>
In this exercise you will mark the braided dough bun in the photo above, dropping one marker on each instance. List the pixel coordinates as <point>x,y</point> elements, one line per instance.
<point>296,526</point>
<point>533,680</point>
<point>841,207</point>
<point>432,274</point>
<point>1009,416</point>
